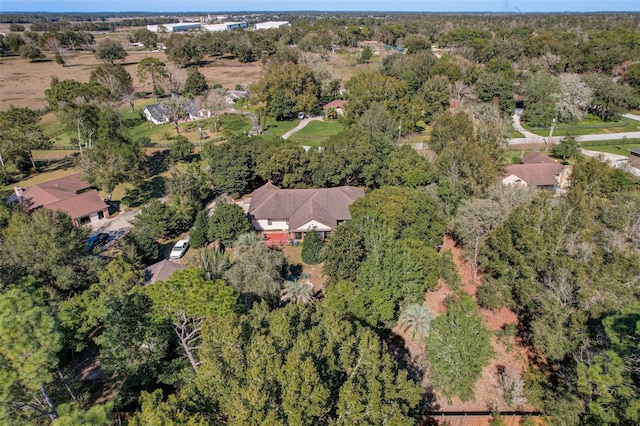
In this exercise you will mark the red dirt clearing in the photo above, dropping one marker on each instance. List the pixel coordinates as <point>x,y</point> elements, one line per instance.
<point>508,352</point>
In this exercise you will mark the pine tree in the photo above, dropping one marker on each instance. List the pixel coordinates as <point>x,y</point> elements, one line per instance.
<point>312,248</point>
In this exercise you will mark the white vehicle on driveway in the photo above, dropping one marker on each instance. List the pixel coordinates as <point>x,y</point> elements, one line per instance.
<point>179,249</point>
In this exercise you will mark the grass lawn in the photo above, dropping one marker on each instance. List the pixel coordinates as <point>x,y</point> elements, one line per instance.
<point>278,128</point>
<point>317,132</point>
<point>592,125</point>
<point>615,149</point>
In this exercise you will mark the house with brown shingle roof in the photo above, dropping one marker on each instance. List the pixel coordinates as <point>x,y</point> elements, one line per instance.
<point>537,170</point>
<point>161,271</point>
<point>297,211</point>
<point>337,104</point>
<point>70,194</point>
<point>537,157</point>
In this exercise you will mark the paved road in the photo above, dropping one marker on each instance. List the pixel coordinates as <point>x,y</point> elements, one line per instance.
<point>303,123</point>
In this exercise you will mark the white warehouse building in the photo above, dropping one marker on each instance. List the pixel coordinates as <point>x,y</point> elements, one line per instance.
<point>271,24</point>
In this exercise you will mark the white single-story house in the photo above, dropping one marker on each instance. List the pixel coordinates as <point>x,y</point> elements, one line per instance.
<point>537,170</point>
<point>232,96</point>
<point>297,211</point>
<point>157,113</point>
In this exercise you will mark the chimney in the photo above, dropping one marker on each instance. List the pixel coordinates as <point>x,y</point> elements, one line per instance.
<point>19,192</point>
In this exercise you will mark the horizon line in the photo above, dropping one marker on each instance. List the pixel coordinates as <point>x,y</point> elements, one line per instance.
<point>512,12</point>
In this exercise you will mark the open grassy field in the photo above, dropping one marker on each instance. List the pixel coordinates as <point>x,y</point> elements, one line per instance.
<point>317,132</point>
<point>617,148</point>
<point>23,83</point>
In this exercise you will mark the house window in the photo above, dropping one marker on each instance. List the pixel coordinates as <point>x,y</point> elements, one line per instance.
<point>269,222</point>
<point>327,234</point>
<point>297,235</point>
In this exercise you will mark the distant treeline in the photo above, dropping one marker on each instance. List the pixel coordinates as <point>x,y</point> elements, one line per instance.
<point>80,22</point>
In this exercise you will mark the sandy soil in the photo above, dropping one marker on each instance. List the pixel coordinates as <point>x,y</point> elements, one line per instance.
<point>22,83</point>
<point>488,393</point>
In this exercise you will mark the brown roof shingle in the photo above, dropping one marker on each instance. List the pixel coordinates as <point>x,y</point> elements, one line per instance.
<point>536,157</point>
<point>541,174</point>
<point>70,194</point>
<point>161,271</point>
<point>300,206</point>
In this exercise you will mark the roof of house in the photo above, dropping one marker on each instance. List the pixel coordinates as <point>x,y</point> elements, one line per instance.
<point>237,94</point>
<point>338,103</point>
<point>540,174</point>
<point>157,111</point>
<point>536,157</point>
<point>161,271</point>
<point>300,206</point>
<point>635,151</point>
<point>70,194</point>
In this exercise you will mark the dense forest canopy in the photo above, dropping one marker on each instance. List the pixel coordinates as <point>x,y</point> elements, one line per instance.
<point>234,338</point>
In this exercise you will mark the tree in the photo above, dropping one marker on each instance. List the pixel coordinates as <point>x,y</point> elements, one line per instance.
<point>154,220</point>
<point>181,148</point>
<point>609,98</point>
<point>172,412</point>
<point>285,165</point>
<point>477,217</point>
<point>498,88</point>
<point>607,380</point>
<point>365,55</point>
<point>542,92</point>
<point>256,271</point>
<point>198,234</point>
<point>175,109</point>
<point>112,161</point>
<point>415,321</point>
<point>232,166</point>
<point>29,343</point>
<point>117,80</point>
<point>227,223</point>
<point>71,414</point>
<point>575,98</point>
<point>46,246</point>
<point>264,367</point>
<point>31,51</point>
<point>110,50</point>
<point>155,69</point>
<point>287,89</point>
<point>78,106</point>
<point>405,167</point>
<point>415,43</point>
<point>458,348</point>
<point>146,37</point>
<point>299,291</point>
<point>20,133</point>
<point>435,96</point>
<point>633,75</point>
<point>312,247</point>
<point>195,84</point>
<point>186,299</point>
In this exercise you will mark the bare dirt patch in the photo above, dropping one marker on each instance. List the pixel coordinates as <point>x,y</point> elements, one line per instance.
<point>509,353</point>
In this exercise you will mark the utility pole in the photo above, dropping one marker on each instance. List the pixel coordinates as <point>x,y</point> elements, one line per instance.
<point>549,142</point>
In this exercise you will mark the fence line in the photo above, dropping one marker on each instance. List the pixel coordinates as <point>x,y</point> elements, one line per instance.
<point>611,142</point>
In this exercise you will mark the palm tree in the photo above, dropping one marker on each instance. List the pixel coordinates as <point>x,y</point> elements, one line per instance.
<point>297,292</point>
<point>415,321</point>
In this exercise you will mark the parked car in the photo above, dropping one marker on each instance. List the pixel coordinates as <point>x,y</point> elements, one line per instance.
<point>179,249</point>
<point>300,115</point>
<point>97,240</point>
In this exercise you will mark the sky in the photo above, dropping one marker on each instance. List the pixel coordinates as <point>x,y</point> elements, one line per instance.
<point>523,6</point>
